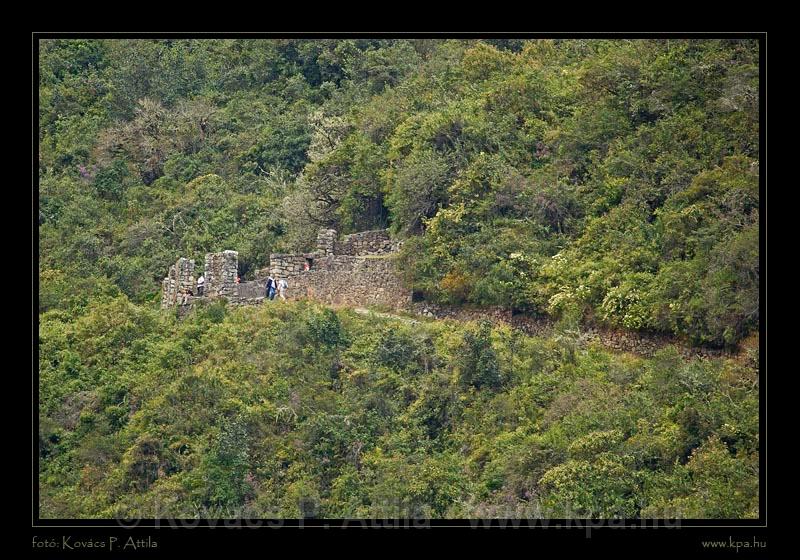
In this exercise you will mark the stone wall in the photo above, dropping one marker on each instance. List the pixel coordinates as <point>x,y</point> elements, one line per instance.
<point>353,270</point>
<point>283,265</point>
<point>376,242</point>
<point>250,290</point>
<point>326,241</point>
<point>220,273</point>
<point>354,281</point>
<point>179,278</point>
<point>364,274</point>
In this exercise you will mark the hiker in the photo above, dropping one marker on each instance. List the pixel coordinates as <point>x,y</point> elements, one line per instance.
<point>201,284</point>
<point>186,295</point>
<point>270,287</point>
<point>282,286</point>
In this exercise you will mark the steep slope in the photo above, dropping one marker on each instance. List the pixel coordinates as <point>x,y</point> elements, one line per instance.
<point>292,409</point>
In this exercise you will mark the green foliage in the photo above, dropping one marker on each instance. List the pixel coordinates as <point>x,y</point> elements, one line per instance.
<point>704,486</point>
<point>109,181</point>
<point>225,467</point>
<point>418,190</point>
<point>238,413</point>
<point>325,329</point>
<point>602,488</point>
<point>632,163</point>
<point>610,181</point>
<point>478,364</point>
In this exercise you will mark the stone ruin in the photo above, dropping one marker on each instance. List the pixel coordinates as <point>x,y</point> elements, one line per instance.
<point>362,244</point>
<point>357,269</point>
<point>365,243</point>
<point>219,272</point>
<point>326,241</point>
<point>180,278</point>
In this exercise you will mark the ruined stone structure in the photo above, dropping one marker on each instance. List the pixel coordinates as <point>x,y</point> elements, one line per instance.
<point>357,269</point>
<point>354,281</point>
<point>326,241</point>
<point>365,243</point>
<point>180,278</point>
<point>220,273</point>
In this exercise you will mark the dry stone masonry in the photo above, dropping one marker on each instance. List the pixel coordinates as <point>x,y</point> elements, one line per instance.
<point>180,278</point>
<point>357,269</point>
<point>288,265</point>
<point>326,241</point>
<point>356,281</point>
<point>220,273</point>
<point>365,243</point>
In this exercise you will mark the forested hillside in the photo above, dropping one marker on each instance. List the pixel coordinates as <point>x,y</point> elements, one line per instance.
<point>613,182</point>
<point>294,410</point>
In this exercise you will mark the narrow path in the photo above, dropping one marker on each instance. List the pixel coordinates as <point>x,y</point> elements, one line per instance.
<point>614,340</point>
<point>364,311</point>
<point>643,344</point>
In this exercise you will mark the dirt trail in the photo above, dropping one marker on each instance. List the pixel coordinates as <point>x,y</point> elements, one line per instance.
<point>643,344</point>
<point>364,311</point>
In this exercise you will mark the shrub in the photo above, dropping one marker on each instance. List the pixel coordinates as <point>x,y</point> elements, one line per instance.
<point>478,364</point>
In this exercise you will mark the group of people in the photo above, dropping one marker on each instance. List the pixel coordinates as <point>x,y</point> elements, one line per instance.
<point>274,286</point>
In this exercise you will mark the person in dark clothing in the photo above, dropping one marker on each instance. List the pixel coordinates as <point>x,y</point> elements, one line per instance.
<point>270,287</point>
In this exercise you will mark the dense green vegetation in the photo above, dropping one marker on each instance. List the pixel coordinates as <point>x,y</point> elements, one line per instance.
<point>611,180</point>
<point>292,410</point>
<point>606,181</point>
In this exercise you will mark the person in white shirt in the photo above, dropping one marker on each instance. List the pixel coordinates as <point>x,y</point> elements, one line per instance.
<point>282,286</point>
<point>201,284</point>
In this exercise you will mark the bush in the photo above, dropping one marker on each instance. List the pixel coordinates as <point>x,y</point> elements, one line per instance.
<point>478,364</point>
<point>324,328</point>
<point>110,181</point>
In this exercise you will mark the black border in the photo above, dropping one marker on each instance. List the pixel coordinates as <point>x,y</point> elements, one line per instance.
<point>600,530</point>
